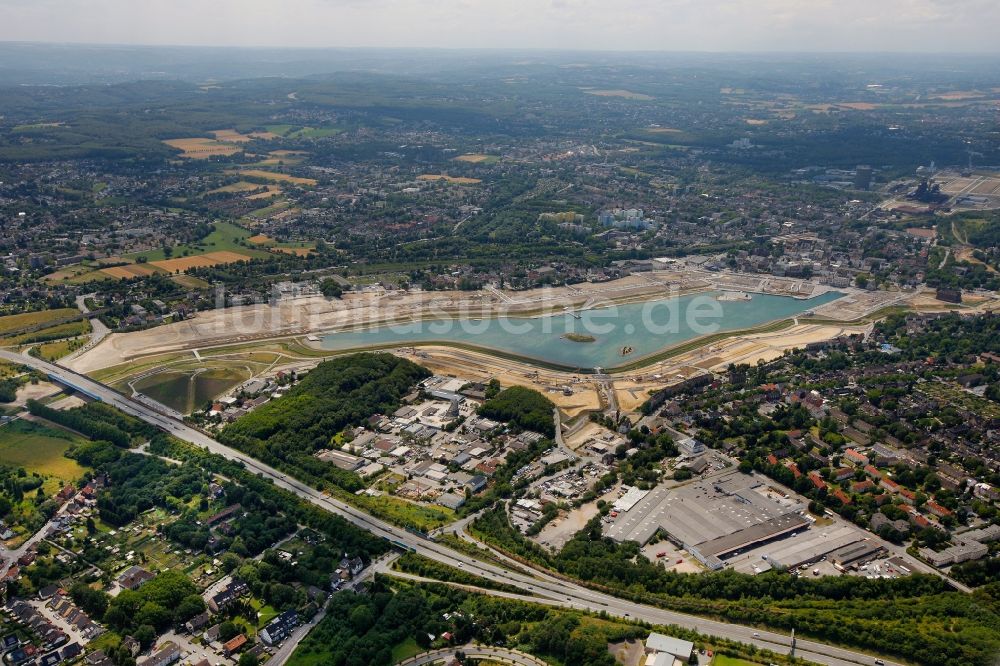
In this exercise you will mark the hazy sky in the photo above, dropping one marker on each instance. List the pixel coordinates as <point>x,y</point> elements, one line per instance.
<point>689,25</point>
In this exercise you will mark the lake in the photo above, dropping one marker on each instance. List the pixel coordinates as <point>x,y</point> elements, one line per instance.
<point>599,335</point>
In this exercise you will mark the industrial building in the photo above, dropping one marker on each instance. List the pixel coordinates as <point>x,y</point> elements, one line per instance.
<point>713,519</point>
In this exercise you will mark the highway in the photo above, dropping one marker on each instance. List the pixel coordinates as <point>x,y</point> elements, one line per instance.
<point>547,587</point>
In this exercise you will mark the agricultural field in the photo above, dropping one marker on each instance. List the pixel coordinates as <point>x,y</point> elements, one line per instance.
<point>299,249</point>
<point>233,136</point>
<point>300,132</point>
<point>189,282</point>
<point>225,237</point>
<point>67,274</point>
<point>200,148</point>
<point>129,271</point>
<point>273,209</point>
<point>67,330</point>
<point>276,177</point>
<point>459,180</point>
<point>279,157</point>
<point>237,187</point>
<point>201,260</point>
<point>38,448</point>
<point>13,323</point>
<point>477,158</point>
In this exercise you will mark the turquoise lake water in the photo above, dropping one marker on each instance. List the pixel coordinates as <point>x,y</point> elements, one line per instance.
<point>645,327</point>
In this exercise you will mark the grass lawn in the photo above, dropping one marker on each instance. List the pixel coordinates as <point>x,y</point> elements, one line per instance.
<point>26,319</point>
<point>723,660</point>
<point>52,351</point>
<point>37,448</point>
<point>265,614</point>
<point>224,237</point>
<point>405,650</point>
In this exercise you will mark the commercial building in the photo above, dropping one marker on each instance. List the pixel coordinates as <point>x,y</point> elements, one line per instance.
<point>713,519</point>
<point>662,650</point>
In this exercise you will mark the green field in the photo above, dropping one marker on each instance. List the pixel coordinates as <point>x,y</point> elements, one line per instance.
<point>53,351</point>
<point>17,322</point>
<point>225,237</point>
<point>405,650</point>
<point>39,449</point>
<point>187,391</point>
<point>724,660</point>
<point>425,517</point>
<point>280,130</point>
<point>57,332</point>
<point>300,132</point>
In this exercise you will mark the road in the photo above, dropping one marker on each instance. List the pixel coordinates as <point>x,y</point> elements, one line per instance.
<point>98,331</point>
<point>9,557</point>
<point>540,584</point>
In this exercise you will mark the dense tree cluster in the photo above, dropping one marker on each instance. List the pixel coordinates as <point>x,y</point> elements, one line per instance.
<point>342,392</point>
<point>524,407</point>
<point>95,420</point>
<point>165,601</point>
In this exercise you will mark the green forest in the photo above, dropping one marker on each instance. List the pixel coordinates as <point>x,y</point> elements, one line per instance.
<point>523,407</point>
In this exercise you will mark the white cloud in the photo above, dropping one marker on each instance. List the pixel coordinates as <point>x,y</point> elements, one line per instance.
<point>715,25</point>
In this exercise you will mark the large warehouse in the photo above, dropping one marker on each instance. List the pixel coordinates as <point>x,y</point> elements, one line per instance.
<point>713,519</point>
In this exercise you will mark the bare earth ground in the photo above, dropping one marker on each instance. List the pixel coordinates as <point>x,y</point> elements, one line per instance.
<point>555,535</point>
<point>586,433</point>
<point>34,392</point>
<point>293,319</point>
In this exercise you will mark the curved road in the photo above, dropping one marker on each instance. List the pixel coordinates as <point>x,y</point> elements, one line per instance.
<point>549,588</point>
<point>477,651</point>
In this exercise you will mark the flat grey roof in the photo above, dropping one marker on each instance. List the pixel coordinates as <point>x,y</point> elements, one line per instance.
<point>768,529</point>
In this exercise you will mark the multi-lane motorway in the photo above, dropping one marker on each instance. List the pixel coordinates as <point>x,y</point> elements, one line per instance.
<point>543,586</point>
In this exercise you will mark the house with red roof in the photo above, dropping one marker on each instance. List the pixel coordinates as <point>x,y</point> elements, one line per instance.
<point>842,496</point>
<point>862,486</point>
<point>855,457</point>
<point>938,510</point>
<point>890,485</point>
<point>843,473</point>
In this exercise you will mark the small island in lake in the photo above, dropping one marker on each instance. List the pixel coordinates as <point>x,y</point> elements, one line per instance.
<point>626,350</point>
<point>579,337</point>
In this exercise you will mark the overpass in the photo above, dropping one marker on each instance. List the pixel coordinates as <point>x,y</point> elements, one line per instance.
<point>541,586</point>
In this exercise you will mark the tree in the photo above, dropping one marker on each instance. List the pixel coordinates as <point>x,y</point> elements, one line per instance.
<point>228,631</point>
<point>362,619</point>
<point>331,288</point>
<point>248,659</point>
